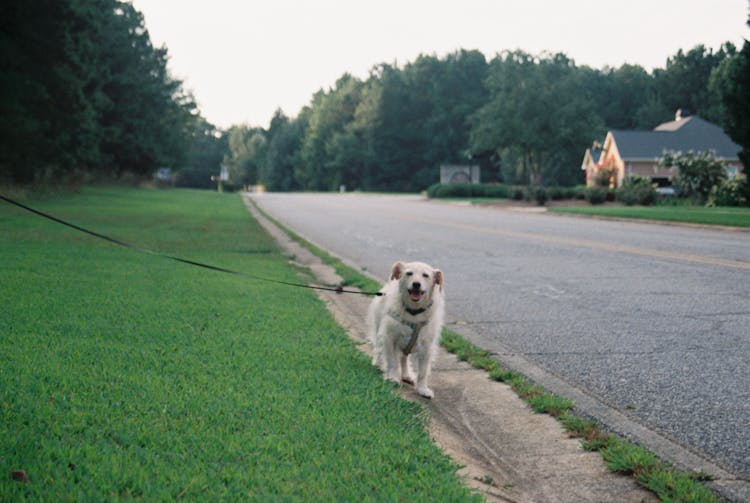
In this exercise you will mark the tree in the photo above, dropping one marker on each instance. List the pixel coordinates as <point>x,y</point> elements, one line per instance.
<point>730,81</point>
<point>208,147</point>
<point>83,90</point>
<point>629,97</point>
<point>524,118</point>
<point>330,112</point>
<point>41,92</point>
<point>697,172</point>
<point>285,138</point>
<point>683,83</point>
<point>537,117</point>
<point>144,117</point>
<point>247,154</point>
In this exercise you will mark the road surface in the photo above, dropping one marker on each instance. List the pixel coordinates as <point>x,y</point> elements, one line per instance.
<point>649,320</point>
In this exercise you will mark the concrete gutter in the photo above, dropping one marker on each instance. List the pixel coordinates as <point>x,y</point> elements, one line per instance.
<point>508,452</point>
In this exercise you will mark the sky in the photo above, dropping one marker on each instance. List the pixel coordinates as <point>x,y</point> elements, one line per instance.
<point>244,59</point>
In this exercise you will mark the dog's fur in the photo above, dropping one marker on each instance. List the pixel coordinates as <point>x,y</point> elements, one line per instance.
<point>412,298</point>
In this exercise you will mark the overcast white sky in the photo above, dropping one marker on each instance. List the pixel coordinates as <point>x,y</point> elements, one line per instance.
<point>245,59</point>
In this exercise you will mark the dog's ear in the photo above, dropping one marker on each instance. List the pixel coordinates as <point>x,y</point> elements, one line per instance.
<point>397,270</point>
<point>439,278</point>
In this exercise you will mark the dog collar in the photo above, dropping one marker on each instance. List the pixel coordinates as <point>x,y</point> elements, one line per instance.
<point>415,312</point>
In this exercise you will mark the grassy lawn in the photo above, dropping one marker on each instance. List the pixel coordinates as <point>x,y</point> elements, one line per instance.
<point>125,375</point>
<point>735,217</point>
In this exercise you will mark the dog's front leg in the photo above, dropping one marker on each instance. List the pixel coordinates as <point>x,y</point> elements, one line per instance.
<point>392,362</point>
<point>423,374</point>
<point>405,371</point>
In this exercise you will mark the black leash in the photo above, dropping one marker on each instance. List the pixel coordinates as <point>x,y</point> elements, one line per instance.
<point>337,289</point>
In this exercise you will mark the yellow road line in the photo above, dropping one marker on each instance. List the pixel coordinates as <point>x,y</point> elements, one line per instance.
<point>583,243</point>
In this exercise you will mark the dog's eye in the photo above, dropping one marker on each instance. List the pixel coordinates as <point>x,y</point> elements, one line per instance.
<point>409,273</point>
<point>425,275</point>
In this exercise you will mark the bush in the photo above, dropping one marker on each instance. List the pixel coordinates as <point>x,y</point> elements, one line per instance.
<point>439,190</point>
<point>517,193</point>
<point>432,190</point>
<point>197,178</point>
<point>495,190</point>
<point>540,195</point>
<point>448,190</point>
<point>697,174</point>
<point>500,191</point>
<point>636,190</point>
<point>730,193</point>
<point>596,195</point>
<point>578,192</point>
<point>556,193</point>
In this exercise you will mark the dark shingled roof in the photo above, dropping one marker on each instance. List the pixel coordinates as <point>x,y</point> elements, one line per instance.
<point>690,133</point>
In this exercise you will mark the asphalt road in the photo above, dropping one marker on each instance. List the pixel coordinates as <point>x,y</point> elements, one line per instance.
<point>650,320</point>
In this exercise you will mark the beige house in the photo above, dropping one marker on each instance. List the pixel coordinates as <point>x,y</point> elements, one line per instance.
<point>636,153</point>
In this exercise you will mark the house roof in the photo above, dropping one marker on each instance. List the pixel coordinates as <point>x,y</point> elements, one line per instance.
<point>683,135</point>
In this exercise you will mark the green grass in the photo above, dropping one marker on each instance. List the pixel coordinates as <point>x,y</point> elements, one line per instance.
<point>619,454</point>
<point>349,276</point>
<point>539,400</point>
<point>125,375</point>
<point>669,484</point>
<point>734,217</point>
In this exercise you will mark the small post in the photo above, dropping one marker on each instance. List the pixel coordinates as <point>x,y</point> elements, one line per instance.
<point>223,177</point>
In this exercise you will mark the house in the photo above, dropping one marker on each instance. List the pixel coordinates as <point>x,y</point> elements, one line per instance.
<point>636,153</point>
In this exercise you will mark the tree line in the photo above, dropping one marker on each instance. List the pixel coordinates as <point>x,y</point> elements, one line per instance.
<point>83,93</point>
<point>525,119</point>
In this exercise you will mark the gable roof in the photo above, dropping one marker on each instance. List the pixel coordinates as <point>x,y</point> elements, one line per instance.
<point>683,135</point>
<point>591,156</point>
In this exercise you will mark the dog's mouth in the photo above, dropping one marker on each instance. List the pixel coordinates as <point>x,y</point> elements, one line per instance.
<point>416,294</point>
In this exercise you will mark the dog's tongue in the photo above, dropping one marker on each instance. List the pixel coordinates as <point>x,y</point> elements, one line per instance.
<point>416,295</point>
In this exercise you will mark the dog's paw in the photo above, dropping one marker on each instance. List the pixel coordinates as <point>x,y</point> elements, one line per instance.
<point>394,378</point>
<point>408,380</point>
<point>425,391</point>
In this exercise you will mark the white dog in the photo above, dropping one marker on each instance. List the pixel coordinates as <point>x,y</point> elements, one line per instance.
<point>407,320</point>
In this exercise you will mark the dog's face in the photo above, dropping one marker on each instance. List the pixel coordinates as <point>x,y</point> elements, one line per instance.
<point>417,281</point>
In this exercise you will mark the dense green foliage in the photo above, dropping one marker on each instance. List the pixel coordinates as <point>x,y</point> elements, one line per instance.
<point>698,173</point>
<point>636,190</point>
<point>207,147</point>
<point>524,119</point>
<point>128,376</point>
<point>502,191</point>
<point>730,81</point>
<point>83,92</point>
<point>537,120</point>
<point>732,192</point>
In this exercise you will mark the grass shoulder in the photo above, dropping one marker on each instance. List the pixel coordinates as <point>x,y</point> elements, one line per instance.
<point>619,454</point>
<point>724,216</point>
<point>127,376</point>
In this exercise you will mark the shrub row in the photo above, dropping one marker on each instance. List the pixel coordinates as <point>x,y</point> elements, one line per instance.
<point>500,191</point>
<point>734,192</point>
<point>635,190</point>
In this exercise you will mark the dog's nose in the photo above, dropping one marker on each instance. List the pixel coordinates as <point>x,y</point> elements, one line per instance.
<point>416,285</point>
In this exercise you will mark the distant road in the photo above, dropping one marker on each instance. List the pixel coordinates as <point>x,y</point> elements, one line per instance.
<point>651,321</point>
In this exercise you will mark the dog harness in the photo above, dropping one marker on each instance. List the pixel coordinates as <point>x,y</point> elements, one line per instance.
<point>415,326</point>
